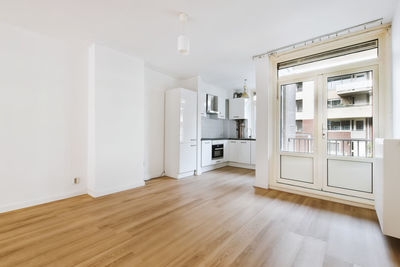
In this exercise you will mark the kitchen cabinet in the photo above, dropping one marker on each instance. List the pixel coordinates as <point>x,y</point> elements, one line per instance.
<point>253,152</point>
<point>233,151</point>
<point>187,161</point>
<point>239,108</point>
<point>188,115</point>
<point>206,153</point>
<point>180,132</point>
<point>221,107</point>
<point>244,152</point>
<point>239,151</point>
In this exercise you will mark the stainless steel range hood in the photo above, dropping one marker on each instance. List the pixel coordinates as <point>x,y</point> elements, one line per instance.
<point>212,104</point>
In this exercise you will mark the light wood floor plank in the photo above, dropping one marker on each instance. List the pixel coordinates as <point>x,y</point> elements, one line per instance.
<point>216,219</point>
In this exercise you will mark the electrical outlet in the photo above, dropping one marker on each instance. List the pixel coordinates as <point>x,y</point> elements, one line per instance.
<point>77,180</point>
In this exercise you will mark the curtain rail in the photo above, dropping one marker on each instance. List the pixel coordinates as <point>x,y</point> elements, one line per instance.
<point>318,38</point>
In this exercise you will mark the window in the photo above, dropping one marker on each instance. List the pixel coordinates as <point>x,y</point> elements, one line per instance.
<point>359,125</point>
<point>297,133</point>
<point>333,125</point>
<point>332,103</point>
<point>299,126</point>
<point>297,67</point>
<point>299,87</point>
<point>299,105</point>
<point>345,125</point>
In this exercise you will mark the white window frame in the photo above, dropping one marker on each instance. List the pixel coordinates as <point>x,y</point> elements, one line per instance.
<point>384,106</point>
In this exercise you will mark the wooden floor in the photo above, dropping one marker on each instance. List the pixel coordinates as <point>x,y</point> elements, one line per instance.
<point>217,219</point>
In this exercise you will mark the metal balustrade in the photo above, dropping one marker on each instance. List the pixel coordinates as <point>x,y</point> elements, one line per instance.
<point>300,144</point>
<point>350,147</point>
<point>335,147</point>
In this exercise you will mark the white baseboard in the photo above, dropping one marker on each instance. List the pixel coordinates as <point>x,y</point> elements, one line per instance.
<point>242,165</point>
<point>213,167</point>
<point>228,163</point>
<point>352,201</point>
<point>38,201</point>
<point>117,189</point>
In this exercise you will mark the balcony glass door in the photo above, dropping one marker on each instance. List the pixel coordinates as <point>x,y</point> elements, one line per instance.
<point>326,131</point>
<point>348,130</point>
<point>298,157</point>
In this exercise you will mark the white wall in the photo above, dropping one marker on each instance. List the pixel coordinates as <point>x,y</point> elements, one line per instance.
<point>264,141</point>
<point>155,84</point>
<point>43,122</point>
<point>396,72</point>
<point>116,121</point>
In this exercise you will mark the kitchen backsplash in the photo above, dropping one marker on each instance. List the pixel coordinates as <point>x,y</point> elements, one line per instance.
<point>217,128</point>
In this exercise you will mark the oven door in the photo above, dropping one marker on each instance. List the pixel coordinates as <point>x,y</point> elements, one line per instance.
<point>217,151</point>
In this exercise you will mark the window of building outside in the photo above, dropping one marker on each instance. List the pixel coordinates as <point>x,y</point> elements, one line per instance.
<point>359,125</point>
<point>299,126</point>
<point>299,105</point>
<point>345,125</point>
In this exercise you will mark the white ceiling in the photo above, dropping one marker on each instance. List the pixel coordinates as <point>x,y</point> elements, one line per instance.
<point>224,34</point>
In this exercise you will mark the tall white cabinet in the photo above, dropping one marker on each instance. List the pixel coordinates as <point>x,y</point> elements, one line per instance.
<point>180,132</point>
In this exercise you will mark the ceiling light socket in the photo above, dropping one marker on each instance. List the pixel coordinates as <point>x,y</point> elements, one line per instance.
<point>183,17</point>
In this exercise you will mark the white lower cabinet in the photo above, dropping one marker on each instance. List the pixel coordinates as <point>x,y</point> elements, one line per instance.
<point>253,152</point>
<point>206,153</point>
<point>238,151</point>
<point>187,154</point>
<point>233,151</point>
<point>244,152</point>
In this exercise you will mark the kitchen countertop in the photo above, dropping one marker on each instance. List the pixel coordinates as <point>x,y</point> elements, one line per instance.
<point>224,138</point>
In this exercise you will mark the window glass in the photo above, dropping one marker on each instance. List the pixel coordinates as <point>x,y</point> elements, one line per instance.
<point>349,112</point>
<point>297,117</point>
<point>359,125</point>
<point>331,62</point>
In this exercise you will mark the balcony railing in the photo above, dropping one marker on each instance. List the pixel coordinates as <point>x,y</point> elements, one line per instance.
<point>336,147</point>
<point>350,147</point>
<point>299,144</point>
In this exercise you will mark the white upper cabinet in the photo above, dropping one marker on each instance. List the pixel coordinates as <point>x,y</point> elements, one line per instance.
<point>253,152</point>
<point>239,108</point>
<point>188,115</point>
<point>221,107</point>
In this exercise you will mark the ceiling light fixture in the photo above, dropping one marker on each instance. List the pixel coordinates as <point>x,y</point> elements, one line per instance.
<point>183,40</point>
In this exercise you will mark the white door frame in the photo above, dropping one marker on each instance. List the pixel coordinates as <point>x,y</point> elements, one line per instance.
<point>319,155</point>
<point>323,120</point>
<point>316,182</point>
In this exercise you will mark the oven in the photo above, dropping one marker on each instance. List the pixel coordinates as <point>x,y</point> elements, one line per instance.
<point>217,151</point>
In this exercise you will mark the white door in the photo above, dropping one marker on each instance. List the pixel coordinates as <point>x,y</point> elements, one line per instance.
<point>187,162</point>
<point>188,116</point>
<point>348,130</point>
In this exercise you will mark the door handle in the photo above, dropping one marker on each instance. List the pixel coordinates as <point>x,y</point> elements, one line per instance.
<point>324,132</point>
